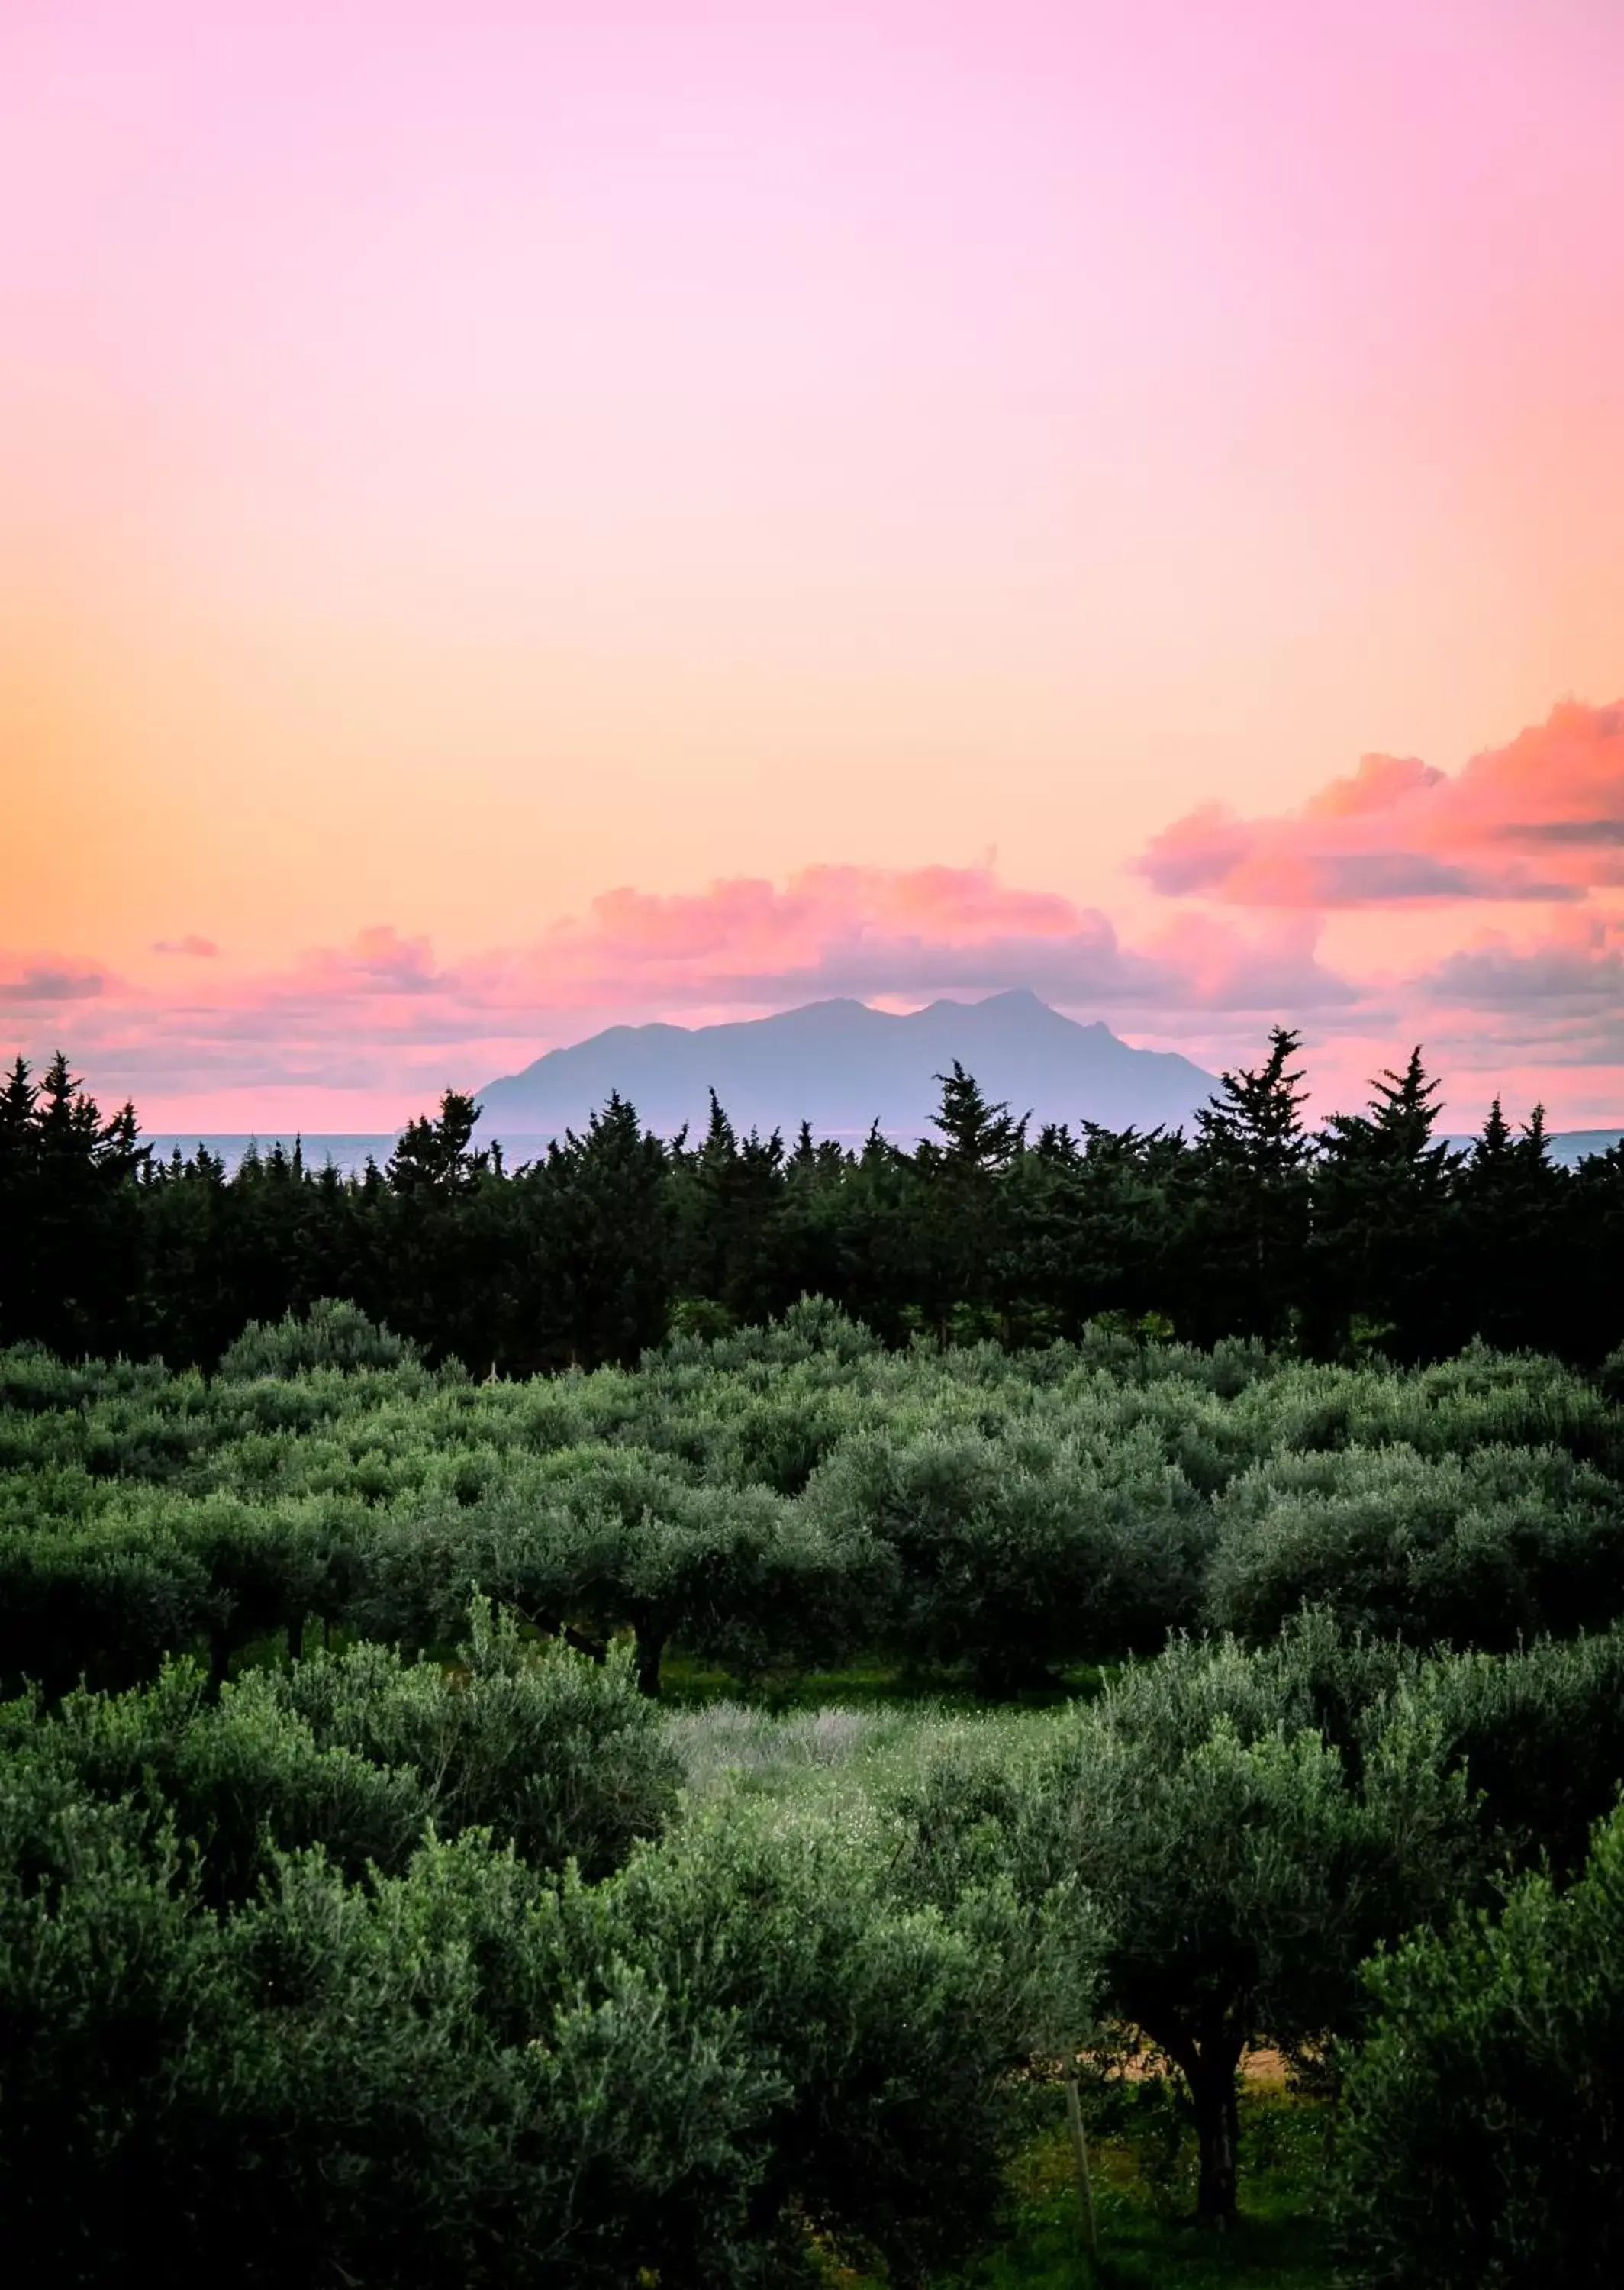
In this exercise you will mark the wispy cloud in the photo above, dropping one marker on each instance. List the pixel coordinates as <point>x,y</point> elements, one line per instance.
<point>46,980</point>
<point>381,1013</point>
<point>894,932</point>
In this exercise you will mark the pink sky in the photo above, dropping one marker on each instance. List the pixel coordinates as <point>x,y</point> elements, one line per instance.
<point>933,497</point>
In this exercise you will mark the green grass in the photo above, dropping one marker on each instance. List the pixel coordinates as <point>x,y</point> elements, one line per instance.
<point>867,1682</point>
<point>870,1681</point>
<point>1143,2173</point>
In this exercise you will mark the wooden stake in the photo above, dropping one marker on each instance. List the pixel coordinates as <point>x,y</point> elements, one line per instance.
<point>1079,2148</point>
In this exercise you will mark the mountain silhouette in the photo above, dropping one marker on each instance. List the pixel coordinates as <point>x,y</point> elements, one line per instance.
<point>843,1065</point>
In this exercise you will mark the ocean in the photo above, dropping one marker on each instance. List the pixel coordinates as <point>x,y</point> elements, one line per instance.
<point>350,1153</point>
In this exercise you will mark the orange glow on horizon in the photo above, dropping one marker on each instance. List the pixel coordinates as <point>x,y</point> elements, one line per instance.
<point>460,462</point>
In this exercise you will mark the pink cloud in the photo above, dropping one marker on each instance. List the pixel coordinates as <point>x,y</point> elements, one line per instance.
<point>1280,972</point>
<point>360,1035</point>
<point>1573,967</point>
<point>1539,820</point>
<point>378,960</point>
<point>202,949</point>
<point>745,926</point>
<point>381,1013</point>
<point>1558,994</point>
<point>892,931</point>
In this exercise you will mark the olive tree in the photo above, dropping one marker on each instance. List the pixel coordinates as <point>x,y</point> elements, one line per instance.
<point>458,2076</point>
<point>1242,1864</point>
<point>1486,2113</point>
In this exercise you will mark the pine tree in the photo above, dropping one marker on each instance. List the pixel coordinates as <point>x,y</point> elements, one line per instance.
<point>19,1184</point>
<point>1492,1149</point>
<point>1255,1119</point>
<point>1511,1203</point>
<point>609,1235</point>
<point>75,1281</point>
<point>1252,1154</point>
<point>433,1154</point>
<point>1387,1238</point>
<point>729,1203</point>
<point>960,1229</point>
<point>980,1138</point>
<point>1402,1116</point>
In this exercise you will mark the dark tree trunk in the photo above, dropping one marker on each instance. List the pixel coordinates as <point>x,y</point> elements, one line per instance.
<point>1209,2070</point>
<point>651,1649</point>
<point>219,1663</point>
<point>296,1640</point>
<point>1217,2133</point>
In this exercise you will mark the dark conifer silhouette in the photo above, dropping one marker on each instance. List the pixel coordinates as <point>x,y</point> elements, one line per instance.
<point>1372,1234</point>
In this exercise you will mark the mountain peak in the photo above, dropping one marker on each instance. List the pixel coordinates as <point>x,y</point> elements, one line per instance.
<point>840,1064</point>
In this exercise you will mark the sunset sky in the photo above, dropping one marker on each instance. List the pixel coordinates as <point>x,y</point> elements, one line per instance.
<point>513,517</point>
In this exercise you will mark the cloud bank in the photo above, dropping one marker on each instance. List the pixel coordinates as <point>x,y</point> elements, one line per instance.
<point>1520,854</point>
<point>1539,821</point>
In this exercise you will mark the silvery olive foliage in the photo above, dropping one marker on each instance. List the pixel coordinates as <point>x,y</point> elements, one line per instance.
<point>365,1912</point>
<point>1485,2112</point>
<point>786,1498</point>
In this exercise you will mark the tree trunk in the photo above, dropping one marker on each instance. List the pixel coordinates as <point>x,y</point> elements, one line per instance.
<point>296,1640</point>
<point>219,1663</point>
<point>1218,2135</point>
<point>651,1649</point>
<point>1209,2069</point>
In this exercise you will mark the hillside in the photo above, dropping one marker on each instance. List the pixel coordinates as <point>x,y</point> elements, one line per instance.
<point>842,1067</point>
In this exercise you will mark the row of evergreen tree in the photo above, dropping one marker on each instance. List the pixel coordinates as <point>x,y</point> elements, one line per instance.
<point>1372,1232</point>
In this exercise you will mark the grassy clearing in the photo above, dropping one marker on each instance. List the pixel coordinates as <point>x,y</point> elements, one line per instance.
<point>741,1747</point>
<point>1142,2149</point>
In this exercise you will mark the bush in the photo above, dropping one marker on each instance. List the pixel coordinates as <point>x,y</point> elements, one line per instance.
<point>1481,1548</point>
<point>1240,1864</point>
<point>331,1335</point>
<point>259,2023</point>
<point>404,2083</point>
<point>1486,2111</point>
<point>1013,1555</point>
<point>360,1753</point>
<point>888,2023</point>
<point>1540,1737</point>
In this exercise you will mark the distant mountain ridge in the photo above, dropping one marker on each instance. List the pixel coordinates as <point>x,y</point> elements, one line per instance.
<point>843,1067</point>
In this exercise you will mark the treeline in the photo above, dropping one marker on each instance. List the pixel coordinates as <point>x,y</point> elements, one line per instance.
<point>1370,1233</point>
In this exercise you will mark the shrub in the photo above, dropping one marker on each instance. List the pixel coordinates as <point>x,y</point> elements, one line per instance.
<point>1475,1549</point>
<point>1486,2112</point>
<point>404,2082</point>
<point>331,1335</point>
<point>359,1753</point>
<point>1240,1864</point>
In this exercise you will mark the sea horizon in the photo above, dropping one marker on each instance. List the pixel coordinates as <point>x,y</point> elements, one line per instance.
<point>348,1151</point>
